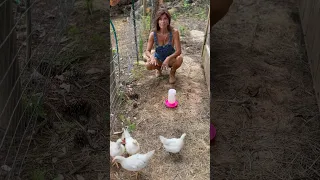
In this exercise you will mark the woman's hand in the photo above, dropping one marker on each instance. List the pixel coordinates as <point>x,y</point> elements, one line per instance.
<point>165,64</point>
<point>153,61</point>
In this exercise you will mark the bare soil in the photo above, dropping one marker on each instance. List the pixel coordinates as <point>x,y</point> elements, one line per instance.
<point>263,103</point>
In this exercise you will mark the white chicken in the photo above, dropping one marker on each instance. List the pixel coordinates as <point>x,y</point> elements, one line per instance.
<point>132,146</point>
<point>135,162</point>
<point>173,145</point>
<point>116,149</point>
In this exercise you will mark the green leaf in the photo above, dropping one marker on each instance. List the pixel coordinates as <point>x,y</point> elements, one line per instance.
<point>132,127</point>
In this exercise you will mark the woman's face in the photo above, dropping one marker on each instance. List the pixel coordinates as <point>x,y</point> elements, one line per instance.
<point>163,21</point>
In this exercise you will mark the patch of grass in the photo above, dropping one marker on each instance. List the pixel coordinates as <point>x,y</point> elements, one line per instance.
<point>121,96</point>
<point>127,122</point>
<point>89,4</point>
<point>186,5</point>
<point>99,41</point>
<point>174,16</point>
<point>146,23</point>
<point>34,103</point>
<point>140,46</point>
<point>73,31</point>
<point>182,30</point>
<point>137,71</point>
<point>38,174</point>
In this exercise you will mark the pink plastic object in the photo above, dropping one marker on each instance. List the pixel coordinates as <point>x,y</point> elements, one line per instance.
<point>212,132</point>
<point>173,105</point>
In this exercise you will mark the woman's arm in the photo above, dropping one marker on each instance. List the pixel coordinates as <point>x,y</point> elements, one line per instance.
<point>177,44</point>
<point>149,45</point>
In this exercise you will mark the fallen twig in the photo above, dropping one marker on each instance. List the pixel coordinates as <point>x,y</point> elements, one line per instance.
<point>79,167</point>
<point>235,101</point>
<point>102,89</point>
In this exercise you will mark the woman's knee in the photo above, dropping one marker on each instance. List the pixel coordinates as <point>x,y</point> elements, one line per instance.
<point>179,61</point>
<point>149,66</point>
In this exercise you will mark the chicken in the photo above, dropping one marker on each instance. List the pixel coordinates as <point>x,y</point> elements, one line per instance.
<point>116,149</point>
<point>173,145</point>
<point>135,162</point>
<point>132,146</point>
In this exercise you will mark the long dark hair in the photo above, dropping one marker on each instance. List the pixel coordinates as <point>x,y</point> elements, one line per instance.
<point>162,10</point>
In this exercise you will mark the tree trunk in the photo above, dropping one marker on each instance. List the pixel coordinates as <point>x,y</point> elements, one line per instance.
<point>10,87</point>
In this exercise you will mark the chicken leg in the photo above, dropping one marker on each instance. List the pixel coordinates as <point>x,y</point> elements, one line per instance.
<point>136,174</point>
<point>115,163</point>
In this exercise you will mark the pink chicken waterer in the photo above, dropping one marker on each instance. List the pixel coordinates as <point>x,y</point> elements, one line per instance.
<point>212,132</point>
<point>171,102</point>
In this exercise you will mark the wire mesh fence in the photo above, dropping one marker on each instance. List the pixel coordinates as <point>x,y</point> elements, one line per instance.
<point>128,39</point>
<point>31,33</point>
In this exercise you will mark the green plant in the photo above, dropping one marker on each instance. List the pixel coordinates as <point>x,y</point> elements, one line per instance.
<point>137,72</point>
<point>174,16</point>
<point>140,45</point>
<point>127,122</point>
<point>73,31</point>
<point>89,6</point>
<point>121,96</point>
<point>38,174</point>
<point>182,30</point>
<point>186,4</point>
<point>146,23</point>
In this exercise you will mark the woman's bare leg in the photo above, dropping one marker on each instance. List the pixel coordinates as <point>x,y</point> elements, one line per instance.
<point>152,66</point>
<point>175,64</point>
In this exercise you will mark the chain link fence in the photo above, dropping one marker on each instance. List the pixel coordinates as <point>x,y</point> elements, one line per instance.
<point>128,43</point>
<point>31,33</point>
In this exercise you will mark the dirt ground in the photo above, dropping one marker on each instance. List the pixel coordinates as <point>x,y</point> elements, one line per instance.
<point>263,103</point>
<point>69,139</point>
<point>145,108</point>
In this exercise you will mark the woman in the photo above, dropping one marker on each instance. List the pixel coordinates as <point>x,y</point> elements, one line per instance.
<point>167,44</point>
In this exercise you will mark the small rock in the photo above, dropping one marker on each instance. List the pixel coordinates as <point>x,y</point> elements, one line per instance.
<point>65,86</point>
<point>83,119</point>
<point>79,177</point>
<point>94,71</point>
<point>197,35</point>
<point>60,77</point>
<point>21,35</point>
<point>100,176</point>
<point>42,34</point>
<point>54,160</point>
<point>135,105</point>
<point>49,15</point>
<point>173,10</point>
<point>59,177</point>
<point>91,131</point>
<point>67,73</point>
<point>36,75</point>
<point>6,168</point>
<point>64,39</point>
<point>64,150</point>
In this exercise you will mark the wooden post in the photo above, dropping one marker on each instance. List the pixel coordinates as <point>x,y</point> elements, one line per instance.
<point>144,7</point>
<point>205,36</point>
<point>154,11</point>
<point>10,87</point>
